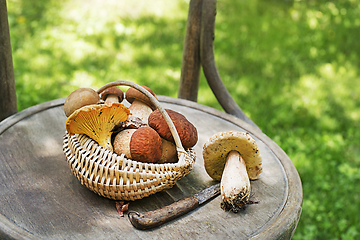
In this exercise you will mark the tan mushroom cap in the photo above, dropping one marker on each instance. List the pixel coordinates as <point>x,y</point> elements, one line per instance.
<point>133,94</point>
<point>186,130</point>
<point>80,98</point>
<point>217,148</point>
<point>97,122</point>
<point>112,91</point>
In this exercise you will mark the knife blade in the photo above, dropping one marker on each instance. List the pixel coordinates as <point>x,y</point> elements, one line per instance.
<point>167,213</point>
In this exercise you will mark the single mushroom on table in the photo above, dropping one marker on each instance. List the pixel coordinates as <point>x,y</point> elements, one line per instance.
<point>233,158</point>
<point>141,106</point>
<point>79,98</point>
<point>97,122</point>
<point>142,144</point>
<point>112,94</point>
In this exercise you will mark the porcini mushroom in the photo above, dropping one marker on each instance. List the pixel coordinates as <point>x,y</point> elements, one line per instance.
<point>97,122</point>
<point>233,158</point>
<point>112,94</point>
<point>141,106</point>
<point>79,98</point>
<point>142,144</point>
<point>186,130</point>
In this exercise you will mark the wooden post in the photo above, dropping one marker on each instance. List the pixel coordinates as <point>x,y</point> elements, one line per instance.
<point>8,105</point>
<point>209,66</point>
<point>190,70</point>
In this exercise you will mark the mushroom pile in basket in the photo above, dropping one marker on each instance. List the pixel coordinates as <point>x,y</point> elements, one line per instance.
<point>140,132</point>
<point>142,149</point>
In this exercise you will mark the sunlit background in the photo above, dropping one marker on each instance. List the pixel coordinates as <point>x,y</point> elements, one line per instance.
<point>292,66</point>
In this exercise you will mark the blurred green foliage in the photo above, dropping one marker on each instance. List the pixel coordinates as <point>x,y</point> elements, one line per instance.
<point>292,66</point>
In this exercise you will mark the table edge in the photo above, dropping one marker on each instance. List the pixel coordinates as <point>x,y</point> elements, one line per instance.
<point>282,227</point>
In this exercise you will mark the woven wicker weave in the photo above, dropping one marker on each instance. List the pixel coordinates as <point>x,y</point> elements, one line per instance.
<point>117,177</point>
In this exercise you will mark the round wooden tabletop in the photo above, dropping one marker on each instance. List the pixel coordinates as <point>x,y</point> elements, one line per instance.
<point>42,199</point>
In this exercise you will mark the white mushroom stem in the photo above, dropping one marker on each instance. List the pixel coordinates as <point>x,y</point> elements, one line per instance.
<point>140,110</point>
<point>169,152</point>
<point>235,183</point>
<point>111,99</point>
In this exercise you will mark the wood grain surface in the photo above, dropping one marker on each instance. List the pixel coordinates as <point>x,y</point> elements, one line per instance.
<point>40,197</point>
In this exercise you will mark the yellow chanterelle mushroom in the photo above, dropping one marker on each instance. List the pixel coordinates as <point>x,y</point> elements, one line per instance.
<point>97,122</point>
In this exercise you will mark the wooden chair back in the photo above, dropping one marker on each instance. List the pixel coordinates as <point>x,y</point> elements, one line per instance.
<point>8,105</point>
<point>198,53</point>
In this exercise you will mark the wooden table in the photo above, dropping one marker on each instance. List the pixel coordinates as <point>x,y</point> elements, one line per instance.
<point>41,198</point>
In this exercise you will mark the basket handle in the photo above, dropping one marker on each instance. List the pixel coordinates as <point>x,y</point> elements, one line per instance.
<point>155,102</point>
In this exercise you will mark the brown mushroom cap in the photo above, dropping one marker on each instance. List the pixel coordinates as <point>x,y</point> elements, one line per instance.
<point>112,91</point>
<point>186,130</point>
<point>146,145</point>
<point>217,148</point>
<point>133,94</point>
<point>80,98</point>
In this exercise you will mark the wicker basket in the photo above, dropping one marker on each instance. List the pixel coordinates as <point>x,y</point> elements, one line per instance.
<point>117,177</point>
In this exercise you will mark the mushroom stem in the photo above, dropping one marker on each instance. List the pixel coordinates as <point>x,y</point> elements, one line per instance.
<point>235,183</point>
<point>111,99</point>
<point>141,110</point>
<point>169,153</point>
<point>122,142</point>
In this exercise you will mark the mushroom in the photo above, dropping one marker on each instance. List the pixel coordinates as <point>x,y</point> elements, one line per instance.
<point>80,98</point>
<point>141,106</point>
<point>142,144</point>
<point>112,94</point>
<point>186,130</point>
<point>233,158</point>
<point>97,122</point>
<point>169,152</point>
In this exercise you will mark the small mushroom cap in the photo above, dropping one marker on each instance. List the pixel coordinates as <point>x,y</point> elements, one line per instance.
<point>146,145</point>
<point>112,91</point>
<point>217,148</point>
<point>133,94</point>
<point>186,130</point>
<point>97,122</point>
<point>80,98</point>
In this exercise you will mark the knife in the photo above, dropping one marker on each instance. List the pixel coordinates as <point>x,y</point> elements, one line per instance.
<point>167,213</point>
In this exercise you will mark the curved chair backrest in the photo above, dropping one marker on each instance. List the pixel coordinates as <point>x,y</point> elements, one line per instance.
<point>198,52</point>
<point>8,105</point>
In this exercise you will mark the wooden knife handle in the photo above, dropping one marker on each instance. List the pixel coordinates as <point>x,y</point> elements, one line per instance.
<point>162,215</point>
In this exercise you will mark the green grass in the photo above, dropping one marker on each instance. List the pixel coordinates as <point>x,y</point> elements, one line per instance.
<point>292,66</point>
